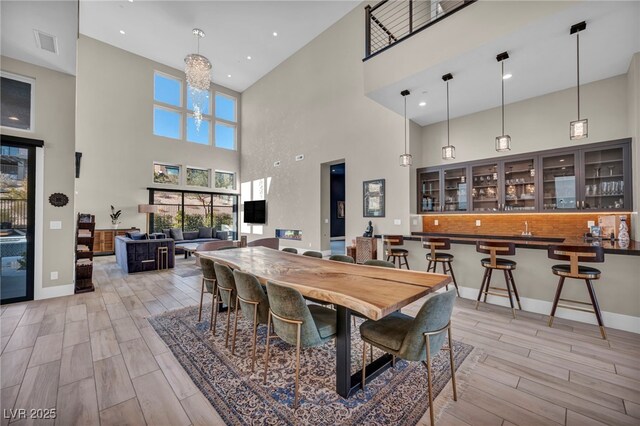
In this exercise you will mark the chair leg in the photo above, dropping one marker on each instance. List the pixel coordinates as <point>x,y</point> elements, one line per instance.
<point>596,308</point>
<point>226,339</point>
<point>213,305</point>
<point>255,336</point>
<point>215,314</point>
<point>235,329</point>
<point>484,280</point>
<point>266,350</point>
<point>488,284</point>
<point>429,266</point>
<point>406,262</point>
<point>515,289</point>
<point>201,297</point>
<point>453,277</point>
<point>556,299</point>
<point>428,365</point>
<point>364,364</point>
<point>295,404</point>
<point>393,361</point>
<point>506,281</point>
<point>453,366</point>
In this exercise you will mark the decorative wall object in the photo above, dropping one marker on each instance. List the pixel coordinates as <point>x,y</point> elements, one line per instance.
<point>340,210</point>
<point>58,199</point>
<point>373,198</point>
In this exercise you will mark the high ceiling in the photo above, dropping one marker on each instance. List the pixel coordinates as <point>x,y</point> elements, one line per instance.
<point>542,60</point>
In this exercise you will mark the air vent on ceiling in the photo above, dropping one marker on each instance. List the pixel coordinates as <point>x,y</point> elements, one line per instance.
<point>46,41</point>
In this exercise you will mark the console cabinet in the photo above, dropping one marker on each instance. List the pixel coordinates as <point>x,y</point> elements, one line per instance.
<point>104,242</point>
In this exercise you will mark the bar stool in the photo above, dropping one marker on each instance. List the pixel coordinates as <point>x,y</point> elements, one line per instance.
<point>394,254</point>
<point>507,266</point>
<point>433,257</point>
<point>575,254</point>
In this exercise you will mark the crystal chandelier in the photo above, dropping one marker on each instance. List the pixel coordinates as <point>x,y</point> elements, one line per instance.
<point>198,71</point>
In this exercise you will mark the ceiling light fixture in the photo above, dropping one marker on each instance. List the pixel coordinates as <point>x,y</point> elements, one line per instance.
<point>507,76</point>
<point>423,103</point>
<point>503,142</point>
<point>275,34</point>
<point>122,32</point>
<point>198,72</point>
<point>449,151</point>
<point>229,75</point>
<point>405,159</point>
<point>249,57</point>
<point>578,129</point>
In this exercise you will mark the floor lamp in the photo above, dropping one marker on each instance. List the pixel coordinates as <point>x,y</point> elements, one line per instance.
<point>147,209</point>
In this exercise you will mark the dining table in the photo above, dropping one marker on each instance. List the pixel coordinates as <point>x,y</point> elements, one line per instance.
<point>370,291</point>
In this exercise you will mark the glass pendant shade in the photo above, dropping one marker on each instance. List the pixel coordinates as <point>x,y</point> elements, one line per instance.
<point>579,129</point>
<point>406,160</point>
<point>503,143</point>
<point>198,74</point>
<point>448,152</point>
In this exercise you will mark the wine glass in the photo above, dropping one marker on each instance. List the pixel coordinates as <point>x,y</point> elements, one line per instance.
<point>611,170</point>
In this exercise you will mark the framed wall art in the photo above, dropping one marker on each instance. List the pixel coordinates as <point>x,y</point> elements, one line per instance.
<point>373,198</point>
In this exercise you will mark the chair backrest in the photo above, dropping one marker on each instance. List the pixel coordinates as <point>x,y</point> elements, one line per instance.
<point>273,243</point>
<point>209,272</point>
<point>377,262</point>
<point>288,303</point>
<point>435,243</point>
<point>225,279</point>
<point>495,249</point>
<point>249,289</point>
<point>342,258</point>
<point>393,240</point>
<point>434,315</point>
<point>312,253</point>
<point>290,250</point>
<point>575,254</point>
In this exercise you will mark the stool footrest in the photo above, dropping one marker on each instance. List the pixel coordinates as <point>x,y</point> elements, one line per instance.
<point>496,294</point>
<point>577,308</point>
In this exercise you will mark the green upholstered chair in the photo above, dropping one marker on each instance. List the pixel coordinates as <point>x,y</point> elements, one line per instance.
<point>226,294</point>
<point>208,280</point>
<point>296,323</point>
<point>414,339</point>
<point>254,307</point>
<point>290,250</point>
<point>312,253</point>
<point>341,258</point>
<point>381,263</point>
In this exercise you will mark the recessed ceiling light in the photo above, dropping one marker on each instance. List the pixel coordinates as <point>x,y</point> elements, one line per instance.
<point>229,75</point>
<point>275,34</point>
<point>122,32</point>
<point>130,1</point>
<point>423,103</point>
<point>14,118</point>
<point>507,76</point>
<point>249,57</point>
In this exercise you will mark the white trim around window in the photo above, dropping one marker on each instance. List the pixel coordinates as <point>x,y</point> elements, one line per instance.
<point>32,107</point>
<point>235,180</point>
<point>166,164</point>
<point>186,176</point>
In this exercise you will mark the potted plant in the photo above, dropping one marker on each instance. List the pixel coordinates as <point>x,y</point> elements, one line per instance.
<point>115,217</point>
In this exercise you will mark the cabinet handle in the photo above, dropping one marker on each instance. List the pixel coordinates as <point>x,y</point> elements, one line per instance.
<point>583,204</point>
<point>577,204</point>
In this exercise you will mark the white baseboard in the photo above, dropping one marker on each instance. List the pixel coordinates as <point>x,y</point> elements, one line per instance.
<point>54,291</point>
<point>611,319</point>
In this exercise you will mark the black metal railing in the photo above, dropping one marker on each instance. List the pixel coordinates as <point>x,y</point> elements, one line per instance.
<point>13,213</point>
<point>389,22</point>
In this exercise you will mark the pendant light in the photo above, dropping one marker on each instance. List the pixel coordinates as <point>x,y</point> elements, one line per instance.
<point>449,151</point>
<point>405,159</point>
<point>578,129</point>
<point>503,142</point>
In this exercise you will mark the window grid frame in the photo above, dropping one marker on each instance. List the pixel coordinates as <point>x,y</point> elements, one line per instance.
<point>32,107</point>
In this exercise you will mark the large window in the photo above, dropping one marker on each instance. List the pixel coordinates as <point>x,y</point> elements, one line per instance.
<point>167,174</point>
<point>190,210</point>
<point>173,114</point>
<point>17,94</point>
<point>225,180</point>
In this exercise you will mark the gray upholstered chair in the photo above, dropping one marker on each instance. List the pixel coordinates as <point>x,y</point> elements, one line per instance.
<point>208,280</point>
<point>254,307</point>
<point>290,250</point>
<point>341,258</point>
<point>226,294</point>
<point>297,324</point>
<point>312,253</point>
<point>414,339</point>
<point>381,263</point>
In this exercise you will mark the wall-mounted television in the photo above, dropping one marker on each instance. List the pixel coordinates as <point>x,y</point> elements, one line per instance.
<point>255,212</point>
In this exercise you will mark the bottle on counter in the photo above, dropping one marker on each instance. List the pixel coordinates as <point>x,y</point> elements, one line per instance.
<point>623,233</point>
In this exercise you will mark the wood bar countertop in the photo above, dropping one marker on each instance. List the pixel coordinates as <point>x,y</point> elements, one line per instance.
<point>534,242</point>
<point>372,291</point>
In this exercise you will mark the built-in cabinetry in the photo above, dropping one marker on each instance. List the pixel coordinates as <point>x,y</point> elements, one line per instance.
<point>586,177</point>
<point>104,242</point>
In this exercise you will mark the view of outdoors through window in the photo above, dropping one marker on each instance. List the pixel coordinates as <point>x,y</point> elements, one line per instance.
<point>225,180</point>
<point>166,174</point>
<point>198,177</point>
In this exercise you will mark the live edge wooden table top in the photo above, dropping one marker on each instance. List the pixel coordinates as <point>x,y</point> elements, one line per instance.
<point>369,290</point>
<point>374,292</point>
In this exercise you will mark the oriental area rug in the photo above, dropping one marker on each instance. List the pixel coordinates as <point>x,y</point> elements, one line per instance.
<point>398,396</point>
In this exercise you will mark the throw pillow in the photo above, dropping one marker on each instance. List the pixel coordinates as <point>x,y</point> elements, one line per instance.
<point>205,233</point>
<point>138,236</point>
<point>176,234</point>
<point>167,233</point>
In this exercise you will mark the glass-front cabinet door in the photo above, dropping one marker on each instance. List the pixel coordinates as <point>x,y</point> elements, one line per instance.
<point>559,182</point>
<point>455,190</point>
<point>429,187</point>
<point>485,196</point>
<point>519,185</point>
<point>604,172</point>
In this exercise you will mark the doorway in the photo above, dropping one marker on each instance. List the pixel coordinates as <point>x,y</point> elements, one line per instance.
<point>17,218</point>
<point>338,208</point>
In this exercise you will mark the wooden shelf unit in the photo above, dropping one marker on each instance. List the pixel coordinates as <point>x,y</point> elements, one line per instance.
<point>85,237</point>
<point>105,240</point>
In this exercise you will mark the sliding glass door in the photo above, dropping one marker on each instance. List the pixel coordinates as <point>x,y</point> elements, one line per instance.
<point>17,215</point>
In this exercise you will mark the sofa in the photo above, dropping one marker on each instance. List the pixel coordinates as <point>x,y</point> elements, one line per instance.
<point>202,235</point>
<point>139,255</point>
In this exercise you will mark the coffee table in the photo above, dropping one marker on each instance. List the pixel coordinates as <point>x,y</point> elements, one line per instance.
<point>188,248</point>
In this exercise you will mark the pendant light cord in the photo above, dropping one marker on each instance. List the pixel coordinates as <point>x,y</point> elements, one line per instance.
<point>578,69</point>
<point>502,63</point>
<point>447,112</point>
<point>405,123</point>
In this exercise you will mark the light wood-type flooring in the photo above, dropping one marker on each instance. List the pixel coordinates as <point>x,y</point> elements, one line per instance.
<point>98,361</point>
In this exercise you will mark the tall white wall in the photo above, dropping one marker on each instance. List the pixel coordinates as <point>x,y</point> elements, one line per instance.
<point>633,97</point>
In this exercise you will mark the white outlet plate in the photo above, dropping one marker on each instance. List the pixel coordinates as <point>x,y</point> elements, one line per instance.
<point>276,164</point>
<point>299,157</point>
<point>415,222</point>
<point>478,222</point>
<point>54,275</point>
<point>436,222</point>
<point>326,221</point>
<point>55,224</point>
<point>397,222</point>
<point>591,223</point>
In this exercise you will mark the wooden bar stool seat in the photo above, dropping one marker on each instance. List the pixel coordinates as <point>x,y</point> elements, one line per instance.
<point>495,248</point>
<point>395,254</point>
<point>434,257</point>
<point>575,254</point>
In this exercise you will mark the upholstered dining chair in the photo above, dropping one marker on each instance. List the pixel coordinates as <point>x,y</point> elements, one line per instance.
<point>226,294</point>
<point>312,253</point>
<point>342,258</point>
<point>297,324</point>
<point>290,250</point>
<point>381,263</point>
<point>254,306</point>
<point>208,280</point>
<point>414,339</point>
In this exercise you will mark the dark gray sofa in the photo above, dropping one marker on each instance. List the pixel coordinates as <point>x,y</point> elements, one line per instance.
<point>141,255</point>
<point>200,236</point>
